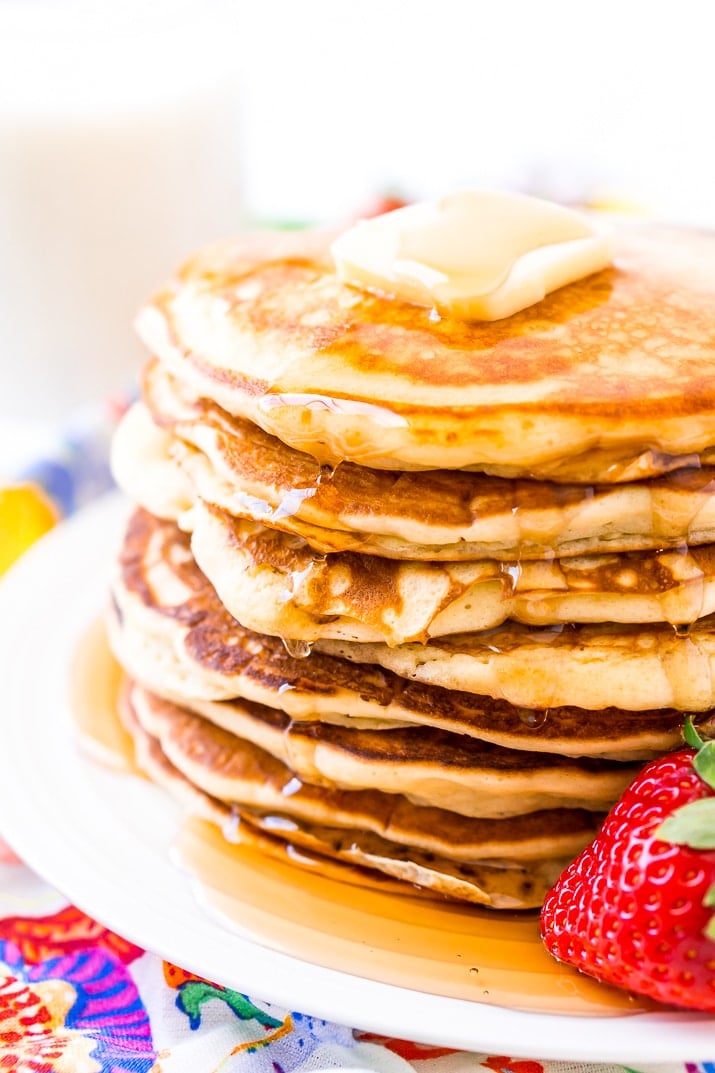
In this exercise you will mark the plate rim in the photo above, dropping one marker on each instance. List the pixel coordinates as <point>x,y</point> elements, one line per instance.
<point>70,568</point>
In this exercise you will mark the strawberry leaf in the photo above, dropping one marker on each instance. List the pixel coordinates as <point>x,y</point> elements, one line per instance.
<point>704,763</point>
<point>709,899</point>
<point>692,825</point>
<point>690,734</point>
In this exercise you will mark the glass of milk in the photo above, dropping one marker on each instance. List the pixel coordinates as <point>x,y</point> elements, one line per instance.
<point>118,157</point>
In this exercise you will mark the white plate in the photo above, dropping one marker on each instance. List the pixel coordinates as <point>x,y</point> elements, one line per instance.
<point>86,831</point>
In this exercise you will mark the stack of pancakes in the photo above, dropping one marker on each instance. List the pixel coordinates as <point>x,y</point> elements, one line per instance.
<point>410,594</point>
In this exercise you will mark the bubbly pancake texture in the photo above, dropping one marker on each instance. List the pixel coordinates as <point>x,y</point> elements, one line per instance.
<point>172,633</point>
<point>175,448</point>
<point>609,379</point>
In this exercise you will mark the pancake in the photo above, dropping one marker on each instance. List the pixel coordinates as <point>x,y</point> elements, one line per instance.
<point>508,863</point>
<point>633,667</point>
<point>610,379</point>
<point>429,767</point>
<point>275,583</point>
<point>440,515</point>
<point>173,634</point>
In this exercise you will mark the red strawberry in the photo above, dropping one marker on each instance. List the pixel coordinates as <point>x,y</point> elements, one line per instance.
<point>635,908</point>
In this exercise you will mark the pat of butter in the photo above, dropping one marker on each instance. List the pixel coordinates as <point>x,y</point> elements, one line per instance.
<point>480,255</point>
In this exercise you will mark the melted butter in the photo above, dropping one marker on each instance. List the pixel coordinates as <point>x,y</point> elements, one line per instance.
<point>291,503</point>
<point>480,255</point>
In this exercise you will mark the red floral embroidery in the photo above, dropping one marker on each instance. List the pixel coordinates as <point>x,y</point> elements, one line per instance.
<point>406,1049</point>
<point>39,938</point>
<point>32,1038</point>
<point>175,976</point>
<point>501,1064</point>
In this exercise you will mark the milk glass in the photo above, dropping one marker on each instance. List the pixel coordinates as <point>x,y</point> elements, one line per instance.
<point>119,155</point>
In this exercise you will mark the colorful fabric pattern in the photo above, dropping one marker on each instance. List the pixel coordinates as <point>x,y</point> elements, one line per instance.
<point>77,998</point>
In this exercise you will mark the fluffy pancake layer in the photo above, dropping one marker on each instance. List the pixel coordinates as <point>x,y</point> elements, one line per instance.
<point>610,379</point>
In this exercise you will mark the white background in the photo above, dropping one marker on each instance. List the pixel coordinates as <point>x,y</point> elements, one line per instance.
<point>593,100</point>
<point>338,98</point>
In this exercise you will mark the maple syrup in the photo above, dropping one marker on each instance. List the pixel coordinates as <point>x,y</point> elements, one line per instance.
<point>339,919</point>
<point>95,683</point>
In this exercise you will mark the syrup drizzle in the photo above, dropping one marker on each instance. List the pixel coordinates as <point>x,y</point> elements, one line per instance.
<point>297,649</point>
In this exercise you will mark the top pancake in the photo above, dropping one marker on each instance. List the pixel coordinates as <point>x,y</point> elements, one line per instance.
<point>609,379</point>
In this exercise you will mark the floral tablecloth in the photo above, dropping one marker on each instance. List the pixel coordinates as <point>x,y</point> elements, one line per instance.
<point>77,998</point>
